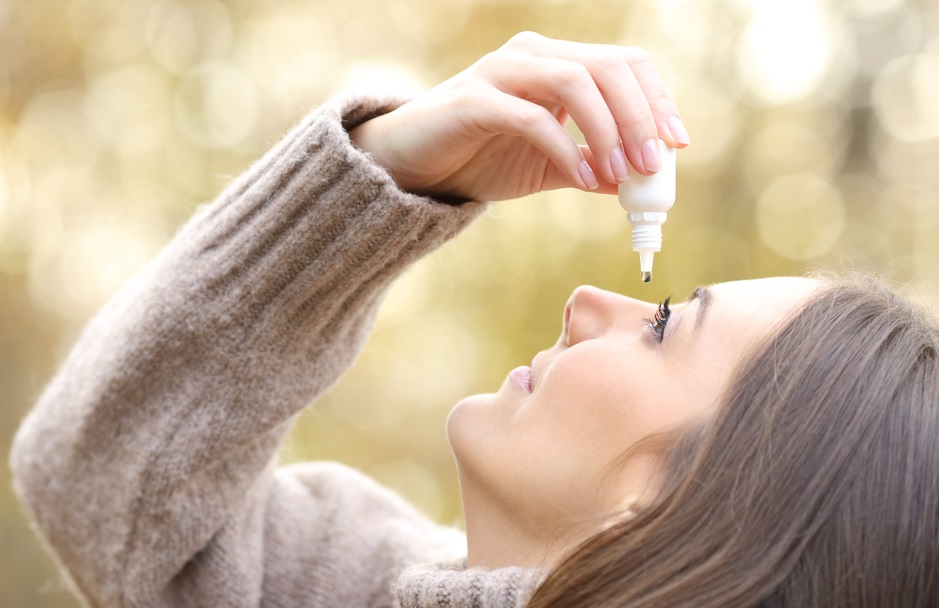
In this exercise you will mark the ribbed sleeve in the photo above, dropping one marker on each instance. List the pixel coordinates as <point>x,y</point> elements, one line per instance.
<point>146,464</point>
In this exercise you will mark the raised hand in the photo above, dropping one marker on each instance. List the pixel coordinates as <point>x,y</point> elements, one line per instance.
<point>496,130</point>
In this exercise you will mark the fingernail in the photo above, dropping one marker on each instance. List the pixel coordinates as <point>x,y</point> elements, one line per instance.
<point>678,131</point>
<point>650,155</point>
<point>618,164</point>
<point>586,174</point>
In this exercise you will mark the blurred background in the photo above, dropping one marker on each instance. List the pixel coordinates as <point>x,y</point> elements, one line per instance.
<point>815,129</point>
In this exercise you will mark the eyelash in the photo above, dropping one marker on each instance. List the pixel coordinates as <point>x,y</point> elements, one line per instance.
<point>658,323</point>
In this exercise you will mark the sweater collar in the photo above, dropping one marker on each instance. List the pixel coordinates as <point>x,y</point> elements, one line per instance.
<point>453,585</point>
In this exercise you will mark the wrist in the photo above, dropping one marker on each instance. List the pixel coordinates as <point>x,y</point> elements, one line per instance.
<point>362,136</point>
<point>379,138</point>
<point>370,137</point>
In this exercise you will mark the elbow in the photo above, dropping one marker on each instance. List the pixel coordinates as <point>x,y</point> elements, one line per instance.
<point>57,509</point>
<point>27,455</point>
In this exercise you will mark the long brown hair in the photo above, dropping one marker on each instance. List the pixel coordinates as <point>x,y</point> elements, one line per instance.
<point>815,484</point>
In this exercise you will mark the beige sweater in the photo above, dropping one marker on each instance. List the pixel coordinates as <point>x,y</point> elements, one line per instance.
<point>148,464</point>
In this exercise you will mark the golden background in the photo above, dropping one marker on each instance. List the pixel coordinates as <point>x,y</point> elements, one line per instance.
<point>815,129</point>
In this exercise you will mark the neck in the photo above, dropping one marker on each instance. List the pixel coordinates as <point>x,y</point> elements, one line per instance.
<point>500,535</point>
<point>497,537</point>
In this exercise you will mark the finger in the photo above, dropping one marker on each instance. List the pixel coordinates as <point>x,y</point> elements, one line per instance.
<point>623,95</point>
<point>554,178</point>
<point>553,81</point>
<point>629,105</point>
<point>498,112</point>
<point>632,88</point>
<point>667,118</point>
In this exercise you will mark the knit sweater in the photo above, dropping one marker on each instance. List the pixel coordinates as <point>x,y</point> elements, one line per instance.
<point>148,464</point>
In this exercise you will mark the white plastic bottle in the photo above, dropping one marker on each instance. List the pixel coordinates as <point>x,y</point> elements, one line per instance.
<point>647,199</point>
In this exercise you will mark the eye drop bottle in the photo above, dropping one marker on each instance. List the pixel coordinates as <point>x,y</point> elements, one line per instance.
<point>646,200</point>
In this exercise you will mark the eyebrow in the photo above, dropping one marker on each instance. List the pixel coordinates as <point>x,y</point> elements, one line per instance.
<point>704,296</point>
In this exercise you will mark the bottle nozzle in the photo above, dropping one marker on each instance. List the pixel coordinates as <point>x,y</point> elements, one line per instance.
<point>646,200</point>
<point>645,265</point>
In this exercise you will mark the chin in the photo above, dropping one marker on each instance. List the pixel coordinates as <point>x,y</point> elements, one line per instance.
<point>468,422</point>
<point>463,412</point>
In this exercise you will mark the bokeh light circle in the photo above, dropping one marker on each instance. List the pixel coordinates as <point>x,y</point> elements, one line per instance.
<point>800,217</point>
<point>216,105</point>
<point>871,9</point>
<point>785,51</point>
<point>906,97</point>
<point>127,105</point>
<point>180,34</point>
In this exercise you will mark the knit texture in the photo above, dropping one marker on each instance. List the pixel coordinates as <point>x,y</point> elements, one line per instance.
<point>147,466</point>
<point>451,584</point>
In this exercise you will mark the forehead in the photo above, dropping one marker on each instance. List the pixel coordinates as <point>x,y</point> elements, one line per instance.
<point>782,289</point>
<point>792,289</point>
<point>752,309</point>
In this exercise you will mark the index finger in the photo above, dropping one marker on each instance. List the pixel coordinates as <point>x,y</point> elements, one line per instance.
<point>632,89</point>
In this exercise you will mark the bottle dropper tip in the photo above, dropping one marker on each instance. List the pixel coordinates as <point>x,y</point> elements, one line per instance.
<point>646,276</point>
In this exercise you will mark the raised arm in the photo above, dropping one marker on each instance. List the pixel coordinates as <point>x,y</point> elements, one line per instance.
<point>147,464</point>
<point>150,444</point>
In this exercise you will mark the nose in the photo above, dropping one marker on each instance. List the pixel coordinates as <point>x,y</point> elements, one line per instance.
<point>591,312</point>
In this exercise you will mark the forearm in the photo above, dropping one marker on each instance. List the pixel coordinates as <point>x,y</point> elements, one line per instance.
<point>175,398</point>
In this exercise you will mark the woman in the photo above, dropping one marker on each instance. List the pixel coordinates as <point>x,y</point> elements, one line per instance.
<point>764,443</point>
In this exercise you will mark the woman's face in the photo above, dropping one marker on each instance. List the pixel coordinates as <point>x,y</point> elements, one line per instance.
<point>545,449</point>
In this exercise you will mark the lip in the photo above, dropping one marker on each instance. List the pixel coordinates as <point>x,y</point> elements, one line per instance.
<point>521,376</point>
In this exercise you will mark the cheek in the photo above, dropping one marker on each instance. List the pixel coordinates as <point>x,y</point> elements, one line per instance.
<point>705,378</point>
<point>598,403</point>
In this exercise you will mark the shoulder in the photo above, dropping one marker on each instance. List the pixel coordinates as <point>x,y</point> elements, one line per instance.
<point>361,507</point>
